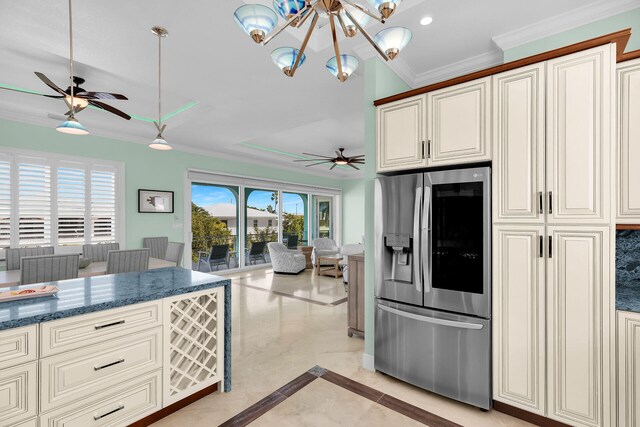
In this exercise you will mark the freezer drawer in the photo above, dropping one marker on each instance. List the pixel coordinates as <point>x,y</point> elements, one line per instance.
<point>448,354</point>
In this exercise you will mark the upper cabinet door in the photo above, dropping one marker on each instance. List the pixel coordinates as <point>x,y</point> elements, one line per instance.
<point>518,145</point>
<point>579,140</point>
<point>459,123</point>
<point>401,134</point>
<point>629,143</point>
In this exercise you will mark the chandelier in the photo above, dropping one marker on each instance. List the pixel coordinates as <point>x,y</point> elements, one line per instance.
<point>259,21</point>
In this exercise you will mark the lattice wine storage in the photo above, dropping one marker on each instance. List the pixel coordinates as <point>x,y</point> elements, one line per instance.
<point>194,343</point>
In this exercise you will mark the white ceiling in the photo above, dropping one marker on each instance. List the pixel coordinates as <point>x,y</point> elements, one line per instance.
<point>243,101</point>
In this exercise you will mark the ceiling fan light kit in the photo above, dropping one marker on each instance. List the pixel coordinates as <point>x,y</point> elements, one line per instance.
<point>72,127</point>
<point>259,22</point>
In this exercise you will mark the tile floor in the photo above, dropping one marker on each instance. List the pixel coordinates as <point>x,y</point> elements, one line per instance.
<point>276,338</point>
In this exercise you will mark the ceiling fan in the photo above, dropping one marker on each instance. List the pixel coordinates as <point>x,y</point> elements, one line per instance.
<point>82,98</point>
<point>340,159</point>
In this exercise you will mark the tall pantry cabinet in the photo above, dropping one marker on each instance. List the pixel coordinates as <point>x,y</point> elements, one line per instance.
<point>552,287</point>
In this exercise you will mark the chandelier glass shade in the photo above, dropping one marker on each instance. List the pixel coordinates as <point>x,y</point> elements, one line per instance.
<point>392,40</point>
<point>342,15</point>
<point>72,127</point>
<point>285,58</point>
<point>256,20</point>
<point>349,65</point>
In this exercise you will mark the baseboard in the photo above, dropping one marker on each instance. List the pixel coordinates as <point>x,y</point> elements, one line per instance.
<point>529,417</point>
<point>368,362</point>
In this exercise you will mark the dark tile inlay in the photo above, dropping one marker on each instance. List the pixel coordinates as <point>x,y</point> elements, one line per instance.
<point>415,413</point>
<point>353,386</point>
<point>283,393</point>
<point>256,410</point>
<point>628,270</point>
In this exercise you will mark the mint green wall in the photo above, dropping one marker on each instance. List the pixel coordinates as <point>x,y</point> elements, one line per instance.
<point>144,168</point>
<point>630,19</point>
<point>353,210</point>
<point>379,81</point>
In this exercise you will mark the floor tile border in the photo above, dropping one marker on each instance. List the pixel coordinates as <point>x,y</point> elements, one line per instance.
<point>284,294</point>
<point>260,408</point>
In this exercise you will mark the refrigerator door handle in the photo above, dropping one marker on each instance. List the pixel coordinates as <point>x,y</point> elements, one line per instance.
<point>417,240</point>
<point>425,247</point>
<point>433,320</point>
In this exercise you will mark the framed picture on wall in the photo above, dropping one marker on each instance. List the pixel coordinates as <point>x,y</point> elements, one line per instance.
<point>155,201</point>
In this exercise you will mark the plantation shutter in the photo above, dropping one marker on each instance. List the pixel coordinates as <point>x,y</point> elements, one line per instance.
<point>71,204</point>
<point>5,203</point>
<point>103,205</point>
<point>34,204</point>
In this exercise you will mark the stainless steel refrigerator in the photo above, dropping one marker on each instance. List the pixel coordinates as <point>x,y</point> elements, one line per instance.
<point>433,281</point>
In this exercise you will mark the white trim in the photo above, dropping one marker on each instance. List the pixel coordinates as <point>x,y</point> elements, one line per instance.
<point>368,362</point>
<point>460,68</point>
<point>566,21</point>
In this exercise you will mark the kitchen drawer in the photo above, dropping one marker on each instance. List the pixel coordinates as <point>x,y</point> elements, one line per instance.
<point>33,422</point>
<point>18,393</point>
<point>117,406</point>
<point>70,376</point>
<point>18,346</point>
<point>80,331</point>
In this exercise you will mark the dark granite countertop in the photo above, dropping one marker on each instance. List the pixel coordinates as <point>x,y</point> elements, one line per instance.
<point>91,294</point>
<point>628,270</point>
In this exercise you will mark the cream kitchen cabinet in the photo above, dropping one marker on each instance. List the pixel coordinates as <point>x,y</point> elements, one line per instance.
<point>519,145</point>
<point>628,369</point>
<point>579,136</point>
<point>459,123</point>
<point>401,134</point>
<point>519,317</point>
<point>578,301</point>
<point>628,153</point>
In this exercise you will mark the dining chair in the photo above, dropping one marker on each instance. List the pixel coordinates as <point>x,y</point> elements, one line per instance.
<point>48,268</point>
<point>157,245</point>
<point>98,252</point>
<point>218,255</point>
<point>15,254</point>
<point>174,252</point>
<point>127,261</point>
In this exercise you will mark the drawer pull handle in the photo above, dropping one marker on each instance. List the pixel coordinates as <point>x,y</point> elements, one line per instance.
<point>119,408</point>
<point>107,325</point>
<point>117,362</point>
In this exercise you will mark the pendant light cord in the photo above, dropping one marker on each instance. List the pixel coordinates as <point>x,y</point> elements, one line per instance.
<point>71,59</point>
<point>159,81</point>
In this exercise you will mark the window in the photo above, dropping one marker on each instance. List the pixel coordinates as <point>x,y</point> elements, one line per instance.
<point>270,223</point>
<point>255,223</point>
<point>59,202</point>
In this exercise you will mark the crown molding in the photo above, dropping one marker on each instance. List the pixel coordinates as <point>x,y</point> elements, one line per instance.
<point>466,66</point>
<point>566,21</point>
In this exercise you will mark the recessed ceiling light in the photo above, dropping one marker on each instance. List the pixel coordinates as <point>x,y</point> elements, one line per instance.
<point>426,20</point>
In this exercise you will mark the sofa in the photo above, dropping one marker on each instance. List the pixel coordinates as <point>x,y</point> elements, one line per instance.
<point>285,260</point>
<point>323,247</point>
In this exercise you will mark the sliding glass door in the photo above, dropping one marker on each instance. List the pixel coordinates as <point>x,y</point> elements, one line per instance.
<point>214,227</point>
<point>295,220</point>
<point>262,225</point>
<point>324,217</point>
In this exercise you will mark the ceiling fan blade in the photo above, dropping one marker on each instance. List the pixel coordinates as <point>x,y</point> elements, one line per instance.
<point>338,154</point>
<point>355,157</point>
<point>350,164</point>
<point>54,96</point>
<point>307,160</point>
<point>49,83</point>
<point>319,163</point>
<point>110,109</point>
<point>334,165</point>
<point>101,95</point>
<point>317,155</point>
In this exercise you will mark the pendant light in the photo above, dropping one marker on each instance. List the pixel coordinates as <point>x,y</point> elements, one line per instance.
<point>159,143</point>
<point>71,126</point>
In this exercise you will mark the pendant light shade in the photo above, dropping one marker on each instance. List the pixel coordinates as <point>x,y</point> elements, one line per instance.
<point>285,58</point>
<point>385,7</point>
<point>288,8</point>
<point>160,144</point>
<point>256,20</point>
<point>362,18</point>
<point>392,40</point>
<point>349,64</point>
<point>72,127</point>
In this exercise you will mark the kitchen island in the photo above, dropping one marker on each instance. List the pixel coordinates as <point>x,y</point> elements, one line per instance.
<point>122,349</point>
